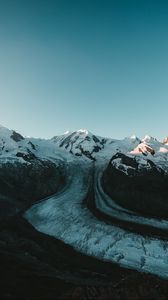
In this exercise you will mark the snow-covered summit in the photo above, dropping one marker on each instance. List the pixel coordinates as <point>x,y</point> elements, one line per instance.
<point>150,146</point>
<point>80,142</point>
<point>144,149</point>
<point>151,149</point>
<point>14,146</point>
<point>7,133</point>
<point>9,140</point>
<point>149,139</point>
<point>84,131</point>
<point>130,140</point>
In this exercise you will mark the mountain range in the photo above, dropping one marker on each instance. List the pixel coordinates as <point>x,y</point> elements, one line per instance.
<point>105,198</point>
<point>81,143</point>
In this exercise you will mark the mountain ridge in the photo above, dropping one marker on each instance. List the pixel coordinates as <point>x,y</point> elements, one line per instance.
<point>80,143</point>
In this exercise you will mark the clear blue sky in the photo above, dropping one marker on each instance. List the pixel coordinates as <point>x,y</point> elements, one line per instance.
<point>100,65</point>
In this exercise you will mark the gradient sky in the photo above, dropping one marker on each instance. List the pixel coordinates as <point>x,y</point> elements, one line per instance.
<point>100,65</point>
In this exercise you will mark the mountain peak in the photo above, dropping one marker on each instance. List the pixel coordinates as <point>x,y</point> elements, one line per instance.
<point>66,132</point>
<point>84,131</point>
<point>148,138</point>
<point>132,138</point>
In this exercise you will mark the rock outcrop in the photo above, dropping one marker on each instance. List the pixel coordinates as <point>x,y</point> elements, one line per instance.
<point>140,186</point>
<point>21,184</point>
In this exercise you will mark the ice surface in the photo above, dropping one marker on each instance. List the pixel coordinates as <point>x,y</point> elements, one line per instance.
<point>65,218</point>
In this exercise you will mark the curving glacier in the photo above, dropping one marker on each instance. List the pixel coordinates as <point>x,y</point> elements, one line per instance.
<point>65,217</point>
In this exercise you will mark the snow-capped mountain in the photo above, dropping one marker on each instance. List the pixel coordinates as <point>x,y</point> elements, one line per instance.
<point>151,146</point>
<point>9,140</point>
<point>86,144</point>
<point>13,144</point>
<point>153,150</point>
<point>149,139</point>
<point>81,143</point>
<point>143,148</point>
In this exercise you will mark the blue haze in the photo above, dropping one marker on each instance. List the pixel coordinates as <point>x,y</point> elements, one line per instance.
<point>100,65</point>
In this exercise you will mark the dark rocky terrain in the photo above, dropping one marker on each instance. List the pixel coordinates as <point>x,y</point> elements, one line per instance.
<point>143,190</point>
<point>21,184</point>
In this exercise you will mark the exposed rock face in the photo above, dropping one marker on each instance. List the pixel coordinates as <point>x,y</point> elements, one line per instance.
<point>139,187</point>
<point>17,137</point>
<point>26,156</point>
<point>23,183</point>
<point>165,141</point>
<point>144,149</point>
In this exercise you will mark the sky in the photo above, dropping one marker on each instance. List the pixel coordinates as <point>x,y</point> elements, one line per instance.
<point>95,64</point>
